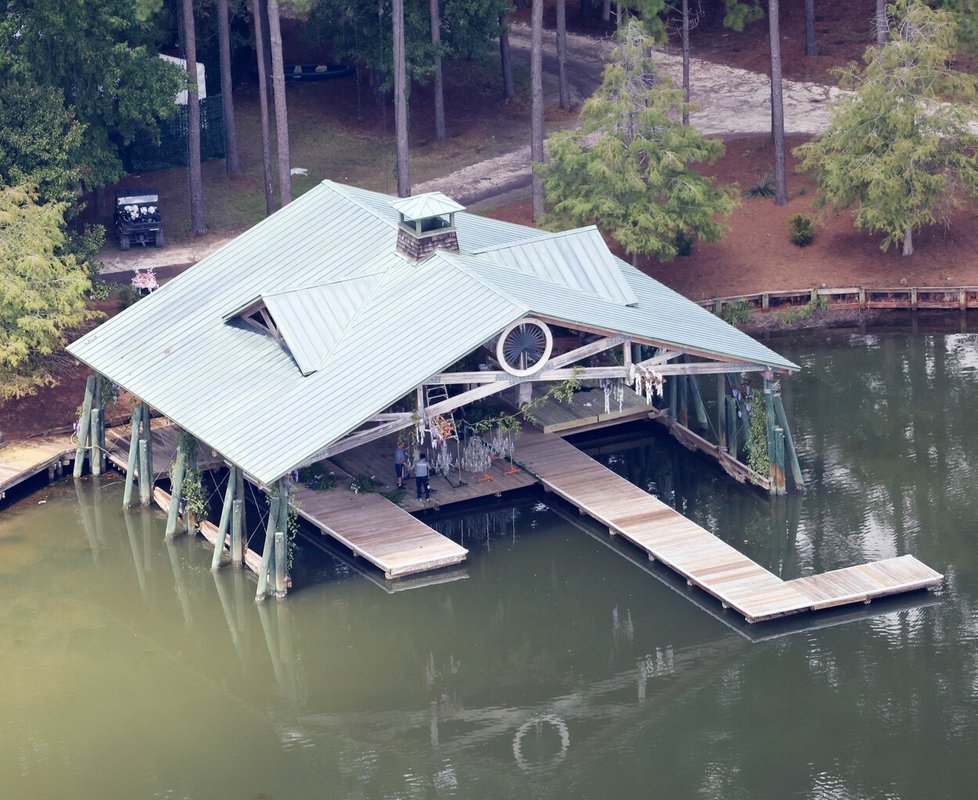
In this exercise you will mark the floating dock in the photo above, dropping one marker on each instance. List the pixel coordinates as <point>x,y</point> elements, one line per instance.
<point>23,459</point>
<point>697,555</point>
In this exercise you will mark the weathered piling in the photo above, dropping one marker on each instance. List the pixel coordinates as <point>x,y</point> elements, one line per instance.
<point>84,424</point>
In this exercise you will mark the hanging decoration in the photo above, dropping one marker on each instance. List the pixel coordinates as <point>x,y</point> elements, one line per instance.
<point>444,463</point>
<point>646,382</point>
<point>442,429</point>
<point>614,390</point>
<point>477,457</point>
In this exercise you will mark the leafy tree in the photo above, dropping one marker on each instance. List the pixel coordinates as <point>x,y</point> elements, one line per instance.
<point>102,56</point>
<point>42,289</point>
<point>40,141</point>
<point>897,147</point>
<point>627,168</point>
<point>361,31</point>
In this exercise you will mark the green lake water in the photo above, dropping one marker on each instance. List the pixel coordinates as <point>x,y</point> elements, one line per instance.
<point>553,666</point>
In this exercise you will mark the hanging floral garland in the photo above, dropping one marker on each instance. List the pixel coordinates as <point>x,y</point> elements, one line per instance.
<point>646,382</point>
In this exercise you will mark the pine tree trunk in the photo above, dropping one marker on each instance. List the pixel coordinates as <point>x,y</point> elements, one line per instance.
<point>882,24</point>
<point>536,112</point>
<point>505,62</point>
<point>400,102</point>
<point>232,163</point>
<point>685,62</point>
<point>198,227</point>
<point>811,45</point>
<point>564,90</point>
<point>259,19</point>
<point>606,11</point>
<point>281,109</point>
<point>777,104</point>
<point>440,132</point>
<point>908,242</point>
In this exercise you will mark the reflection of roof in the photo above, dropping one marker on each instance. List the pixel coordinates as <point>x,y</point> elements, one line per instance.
<point>361,325</point>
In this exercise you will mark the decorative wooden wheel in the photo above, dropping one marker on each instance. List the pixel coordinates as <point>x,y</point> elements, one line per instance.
<point>524,347</point>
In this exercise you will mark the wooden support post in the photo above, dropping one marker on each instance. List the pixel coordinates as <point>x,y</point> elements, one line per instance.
<point>96,457</point>
<point>684,400</point>
<point>698,405</point>
<point>147,436</point>
<point>133,456</point>
<point>789,444</point>
<point>769,420</point>
<point>179,467</point>
<point>733,425</point>
<point>84,423</point>
<point>674,397</point>
<point>266,552</point>
<point>222,528</point>
<point>281,561</point>
<point>721,412</point>
<point>145,478</point>
<point>238,521</point>
<point>237,544</point>
<point>777,466</point>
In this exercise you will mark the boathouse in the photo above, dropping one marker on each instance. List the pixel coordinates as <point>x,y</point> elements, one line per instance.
<point>348,316</point>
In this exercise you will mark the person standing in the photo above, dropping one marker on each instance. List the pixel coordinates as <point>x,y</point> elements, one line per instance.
<point>400,463</point>
<point>421,477</point>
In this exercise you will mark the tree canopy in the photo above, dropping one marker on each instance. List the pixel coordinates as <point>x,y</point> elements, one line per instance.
<point>360,31</point>
<point>899,146</point>
<point>627,168</point>
<point>42,289</point>
<point>101,55</point>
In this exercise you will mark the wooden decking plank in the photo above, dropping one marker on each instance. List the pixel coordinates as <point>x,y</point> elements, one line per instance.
<point>697,555</point>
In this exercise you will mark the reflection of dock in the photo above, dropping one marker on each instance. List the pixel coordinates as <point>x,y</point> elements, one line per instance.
<point>22,460</point>
<point>697,555</point>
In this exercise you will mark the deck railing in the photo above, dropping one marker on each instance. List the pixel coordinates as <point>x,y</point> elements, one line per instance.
<point>910,298</point>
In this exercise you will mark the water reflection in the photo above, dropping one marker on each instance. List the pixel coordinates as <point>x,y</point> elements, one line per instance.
<point>551,666</point>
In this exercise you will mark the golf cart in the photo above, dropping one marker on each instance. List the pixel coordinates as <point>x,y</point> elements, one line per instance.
<point>137,218</point>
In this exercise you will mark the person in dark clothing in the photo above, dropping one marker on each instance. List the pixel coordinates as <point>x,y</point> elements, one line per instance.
<point>400,463</point>
<point>421,477</point>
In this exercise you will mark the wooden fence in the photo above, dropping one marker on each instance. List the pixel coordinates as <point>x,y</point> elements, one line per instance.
<point>902,297</point>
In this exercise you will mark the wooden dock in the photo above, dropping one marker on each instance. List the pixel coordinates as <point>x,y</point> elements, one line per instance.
<point>23,459</point>
<point>585,411</point>
<point>378,530</point>
<point>697,555</point>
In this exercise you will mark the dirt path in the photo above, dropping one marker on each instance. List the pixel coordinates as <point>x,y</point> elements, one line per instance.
<point>731,102</point>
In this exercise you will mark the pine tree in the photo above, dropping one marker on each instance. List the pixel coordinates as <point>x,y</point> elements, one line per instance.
<point>899,146</point>
<point>42,289</point>
<point>626,169</point>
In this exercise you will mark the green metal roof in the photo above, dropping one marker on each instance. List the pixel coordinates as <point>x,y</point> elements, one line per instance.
<point>360,325</point>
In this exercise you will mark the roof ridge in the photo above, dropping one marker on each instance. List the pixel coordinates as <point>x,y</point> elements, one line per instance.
<point>307,286</point>
<point>340,189</point>
<point>544,236</point>
<point>458,261</point>
<point>352,319</point>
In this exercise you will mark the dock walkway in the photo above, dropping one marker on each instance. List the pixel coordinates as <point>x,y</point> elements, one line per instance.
<point>378,530</point>
<point>700,557</point>
<point>25,458</point>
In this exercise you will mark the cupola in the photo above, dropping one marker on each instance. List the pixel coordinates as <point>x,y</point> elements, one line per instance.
<point>427,223</point>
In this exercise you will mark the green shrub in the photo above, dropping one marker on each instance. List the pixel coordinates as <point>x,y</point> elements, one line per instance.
<point>683,244</point>
<point>763,187</point>
<point>737,312</point>
<point>800,230</point>
<point>363,484</point>
<point>317,477</point>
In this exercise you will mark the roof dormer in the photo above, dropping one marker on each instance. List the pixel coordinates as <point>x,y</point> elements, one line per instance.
<point>427,224</point>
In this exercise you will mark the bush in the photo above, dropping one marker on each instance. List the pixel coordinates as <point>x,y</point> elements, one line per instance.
<point>317,477</point>
<point>739,311</point>
<point>363,484</point>
<point>800,229</point>
<point>763,187</point>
